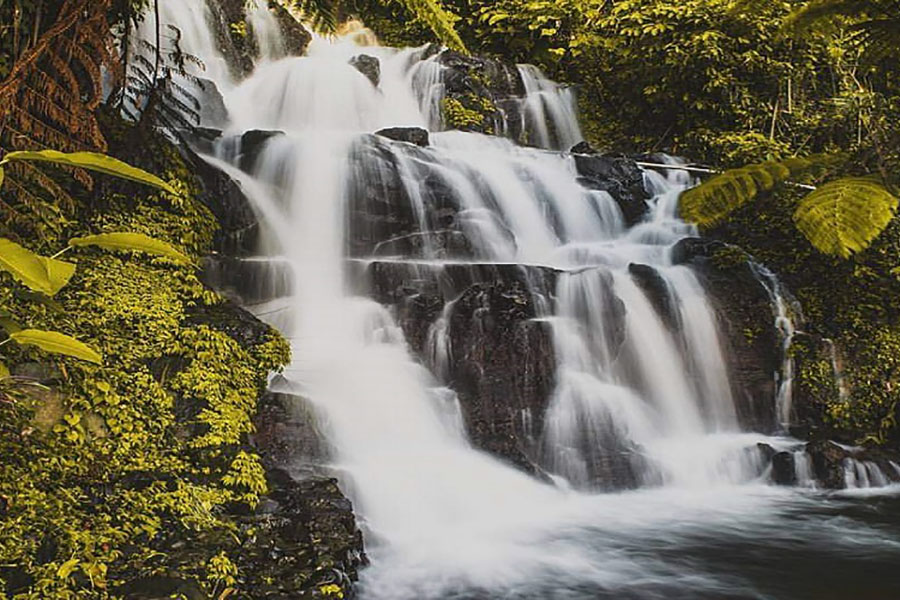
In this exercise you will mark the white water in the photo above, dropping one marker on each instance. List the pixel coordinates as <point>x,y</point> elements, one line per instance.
<point>440,517</point>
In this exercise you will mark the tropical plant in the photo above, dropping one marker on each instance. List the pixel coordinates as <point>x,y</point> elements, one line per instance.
<point>48,275</point>
<point>327,15</point>
<point>875,24</point>
<point>839,218</point>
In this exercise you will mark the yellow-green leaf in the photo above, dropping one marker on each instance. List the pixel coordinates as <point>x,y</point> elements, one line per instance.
<point>4,371</point>
<point>135,242</point>
<point>1,176</point>
<point>844,216</point>
<point>56,343</point>
<point>66,568</point>
<point>41,274</point>
<point>95,162</point>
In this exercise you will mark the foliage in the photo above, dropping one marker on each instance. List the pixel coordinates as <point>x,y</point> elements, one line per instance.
<point>844,216</point>
<point>327,15</point>
<point>120,472</point>
<point>48,98</point>
<point>56,343</point>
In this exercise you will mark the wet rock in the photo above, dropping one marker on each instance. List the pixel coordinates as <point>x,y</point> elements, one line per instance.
<point>690,248</point>
<point>368,66</point>
<point>253,143</point>
<point>410,135</point>
<point>621,178</point>
<point>437,244</point>
<point>502,366</point>
<point>657,290</point>
<point>828,463</point>
<point>247,282</point>
<point>583,148</point>
<point>295,36</point>
<point>747,327</point>
<point>783,472</point>
<point>234,321</point>
<point>213,111</point>
<point>287,435</point>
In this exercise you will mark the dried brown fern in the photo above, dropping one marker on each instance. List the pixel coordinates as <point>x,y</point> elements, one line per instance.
<point>48,101</point>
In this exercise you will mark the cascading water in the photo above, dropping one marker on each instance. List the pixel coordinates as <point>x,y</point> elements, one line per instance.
<point>642,396</point>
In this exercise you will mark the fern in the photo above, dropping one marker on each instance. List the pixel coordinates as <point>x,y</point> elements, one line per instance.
<point>844,216</point>
<point>47,101</point>
<point>713,201</point>
<point>323,15</point>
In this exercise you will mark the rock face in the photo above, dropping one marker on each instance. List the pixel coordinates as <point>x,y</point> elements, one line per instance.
<point>747,323</point>
<point>411,135</point>
<point>484,87</point>
<point>368,66</point>
<point>621,178</point>
<point>497,357</point>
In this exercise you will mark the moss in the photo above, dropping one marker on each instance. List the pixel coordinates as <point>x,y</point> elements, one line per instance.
<point>107,469</point>
<point>854,303</point>
<point>469,113</point>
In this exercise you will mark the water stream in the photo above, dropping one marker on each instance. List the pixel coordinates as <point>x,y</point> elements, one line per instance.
<point>642,397</point>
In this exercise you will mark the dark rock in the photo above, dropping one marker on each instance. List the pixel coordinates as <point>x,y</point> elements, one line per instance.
<point>582,148</point>
<point>252,144</point>
<point>501,360</point>
<point>213,111</point>
<point>438,244</point>
<point>688,249</point>
<point>747,326</point>
<point>296,37</point>
<point>287,434</point>
<point>411,135</point>
<point>235,322</point>
<point>621,178</point>
<point>657,290</point>
<point>247,282</point>
<point>368,66</point>
<point>203,140</point>
<point>828,463</point>
<point>783,472</point>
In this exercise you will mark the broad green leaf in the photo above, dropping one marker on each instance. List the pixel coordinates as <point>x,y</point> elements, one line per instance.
<point>4,371</point>
<point>41,274</point>
<point>137,242</point>
<point>95,162</point>
<point>844,217</point>
<point>56,343</point>
<point>67,568</point>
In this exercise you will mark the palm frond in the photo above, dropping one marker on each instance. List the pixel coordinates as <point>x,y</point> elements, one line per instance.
<point>844,216</point>
<point>713,201</point>
<point>323,15</point>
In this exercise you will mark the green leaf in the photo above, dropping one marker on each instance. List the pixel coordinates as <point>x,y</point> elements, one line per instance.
<point>713,201</point>
<point>136,242</point>
<point>2,174</point>
<point>844,216</point>
<point>4,371</point>
<point>95,162</point>
<point>56,343</point>
<point>41,274</point>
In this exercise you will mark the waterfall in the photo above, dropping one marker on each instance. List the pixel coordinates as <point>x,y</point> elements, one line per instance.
<point>641,395</point>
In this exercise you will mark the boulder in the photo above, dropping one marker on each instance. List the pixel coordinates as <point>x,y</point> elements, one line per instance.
<point>368,66</point>
<point>410,135</point>
<point>621,178</point>
<point>252,144</point>
<point>295,36</point>
<point>783,469</point>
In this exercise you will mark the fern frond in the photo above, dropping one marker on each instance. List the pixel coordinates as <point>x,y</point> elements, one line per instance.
<point>438,19</point>
<point>843,217</point>
<point>711,202</point>
<point>323,15</point>
<point>47,101</point>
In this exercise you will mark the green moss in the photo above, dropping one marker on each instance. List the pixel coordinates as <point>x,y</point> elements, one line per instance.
<point>108,466</point>
<point>469,113</point>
